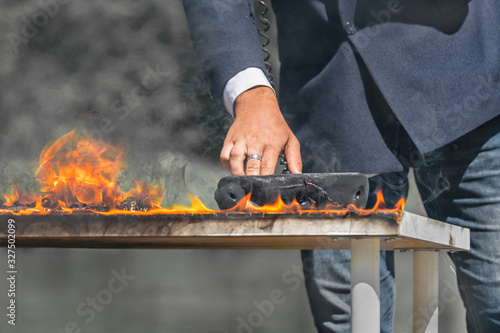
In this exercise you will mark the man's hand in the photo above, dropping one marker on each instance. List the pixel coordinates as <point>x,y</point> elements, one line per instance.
<point>259,129</point>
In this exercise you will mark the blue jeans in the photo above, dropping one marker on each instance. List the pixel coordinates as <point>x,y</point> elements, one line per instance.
<point>459,184</point>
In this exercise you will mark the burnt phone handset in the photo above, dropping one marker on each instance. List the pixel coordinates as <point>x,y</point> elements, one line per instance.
<point>281,166</point>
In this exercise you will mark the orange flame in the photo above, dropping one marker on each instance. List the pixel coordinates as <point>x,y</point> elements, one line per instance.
<point>197,207</point>
<point>246,205</point>
<point>76,169</point>
<point>24,198</point>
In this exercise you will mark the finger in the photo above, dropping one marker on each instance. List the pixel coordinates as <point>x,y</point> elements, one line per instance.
<point>269,160</point>
<point>224,155</point>
<point>253,167</point>
<point>236,158</point>
<point>292,155</point>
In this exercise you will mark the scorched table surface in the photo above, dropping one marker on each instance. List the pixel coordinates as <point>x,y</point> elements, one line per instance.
<point>233,230</point>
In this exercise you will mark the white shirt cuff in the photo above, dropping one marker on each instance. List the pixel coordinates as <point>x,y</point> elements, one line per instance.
<point>241,82</point>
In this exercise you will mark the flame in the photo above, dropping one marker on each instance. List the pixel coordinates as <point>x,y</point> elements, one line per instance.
<point>197,206</point>
<point>78,171</point>
<point>75,169</point>
<point>149,194</point>
<point>246,205</point>
<point>23,198</point>
<point>380,206</point>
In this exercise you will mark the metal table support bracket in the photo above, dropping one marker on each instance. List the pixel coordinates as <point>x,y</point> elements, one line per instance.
<point>364,235</point>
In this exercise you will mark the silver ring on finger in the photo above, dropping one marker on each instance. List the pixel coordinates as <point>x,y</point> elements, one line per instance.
<point>255,157</point>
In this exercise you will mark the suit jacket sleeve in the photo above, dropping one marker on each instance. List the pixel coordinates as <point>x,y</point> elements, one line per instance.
<point>225,38</point>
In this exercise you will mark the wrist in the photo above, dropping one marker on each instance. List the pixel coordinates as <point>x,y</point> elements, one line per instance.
<point>241,82</point>
<point>255,99</point>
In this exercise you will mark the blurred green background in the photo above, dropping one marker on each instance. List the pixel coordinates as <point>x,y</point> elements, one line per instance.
<point>125,71</point>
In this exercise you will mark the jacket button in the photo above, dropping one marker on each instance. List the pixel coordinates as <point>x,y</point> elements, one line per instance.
<point>350,28</point>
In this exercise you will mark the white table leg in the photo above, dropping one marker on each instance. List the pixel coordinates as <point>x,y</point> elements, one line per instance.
<point>365,285</point>
<point>425,291</point>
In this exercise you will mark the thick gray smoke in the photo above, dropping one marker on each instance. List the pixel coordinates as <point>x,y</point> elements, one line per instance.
<point>119,71</point>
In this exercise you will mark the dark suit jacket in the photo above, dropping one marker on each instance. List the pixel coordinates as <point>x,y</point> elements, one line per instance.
<point>364,85</point>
